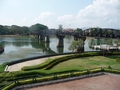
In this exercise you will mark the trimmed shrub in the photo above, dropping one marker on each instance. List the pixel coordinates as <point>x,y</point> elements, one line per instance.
<point>112,71</point>
<point>3,66</point>
<point>79,73</point>
<point>9,87</point>
<point>28,81</point>
<point>63,75</point>
<point>50,63</point>
<point>95,70</point>
<point>118,60</point>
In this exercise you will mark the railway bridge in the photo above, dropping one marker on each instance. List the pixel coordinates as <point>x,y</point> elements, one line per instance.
<point>91,32</point>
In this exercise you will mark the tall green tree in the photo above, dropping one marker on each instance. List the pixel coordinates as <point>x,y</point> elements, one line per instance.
<point>25,30</point>
<point>15,29</point>
<point>78,30</point>
<point>2,30</point>
<point>117,42</point>
<point>37,28</point>
<point>109,42</point>
<point>76,45</point>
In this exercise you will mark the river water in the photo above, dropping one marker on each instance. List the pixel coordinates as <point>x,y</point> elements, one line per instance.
<point>19,48</point>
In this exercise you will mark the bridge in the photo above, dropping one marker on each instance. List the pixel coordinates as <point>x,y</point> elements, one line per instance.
<point>91,32</point>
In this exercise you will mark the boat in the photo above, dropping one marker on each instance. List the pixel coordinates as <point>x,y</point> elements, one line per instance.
<point>1,47</point>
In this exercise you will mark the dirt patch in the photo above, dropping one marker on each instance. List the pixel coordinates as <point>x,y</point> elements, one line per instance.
<point>104,82</point>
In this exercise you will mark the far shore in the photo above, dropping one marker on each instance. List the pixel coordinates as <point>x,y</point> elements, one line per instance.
<point>15,36</point>
<point>31,36</point>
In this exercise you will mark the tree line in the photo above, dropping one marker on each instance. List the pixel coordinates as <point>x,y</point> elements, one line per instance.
<point>21,30</point>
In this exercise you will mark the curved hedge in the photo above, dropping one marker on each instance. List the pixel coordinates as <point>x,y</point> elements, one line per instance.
<point>52,62</point>
<point>60,76</point>
<point>42,69</point>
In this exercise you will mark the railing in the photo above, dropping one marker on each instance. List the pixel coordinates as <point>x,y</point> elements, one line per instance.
<point>88,74</point>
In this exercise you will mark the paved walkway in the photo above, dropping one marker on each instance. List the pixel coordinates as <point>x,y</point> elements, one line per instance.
<point>18,66</point>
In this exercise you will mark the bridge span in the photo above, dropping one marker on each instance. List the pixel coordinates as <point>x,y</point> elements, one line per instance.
<point>91,32</point>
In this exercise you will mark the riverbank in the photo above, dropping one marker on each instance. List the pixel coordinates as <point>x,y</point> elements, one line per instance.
<point>21,36</point>
<point>16,36</point>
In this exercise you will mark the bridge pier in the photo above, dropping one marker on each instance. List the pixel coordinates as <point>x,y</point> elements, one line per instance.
<point>75,38</point>
<point>36,36</point>
<point>47,39</point>
<point>60,42</point>
<point>41,37</point>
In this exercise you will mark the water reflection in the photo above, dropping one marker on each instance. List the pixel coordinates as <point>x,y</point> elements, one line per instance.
<point>17,48</point>
<point>104,44</point>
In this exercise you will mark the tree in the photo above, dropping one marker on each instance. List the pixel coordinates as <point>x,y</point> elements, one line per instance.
<point>25,30</point>
<point>2,31</point>
<point>7,30</point>
<point>109,42</point>
<point>37,28</point>
<point>78,30</point>
<point>117,42</point>
<point>76,45</point>
<point>15,29</point>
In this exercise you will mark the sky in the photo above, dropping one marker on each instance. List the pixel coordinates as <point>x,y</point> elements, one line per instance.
<point>69,13</point>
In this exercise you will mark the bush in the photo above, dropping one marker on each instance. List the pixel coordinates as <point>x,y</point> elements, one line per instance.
<point>63,75</point>
<point>3,66</point>
<point>112,71</point>
<point>79,73</point>
<point>28,81</point>
<point>118,60</point>
<point>95,70</point>
<point>9,87</point>
<point>60,76</point>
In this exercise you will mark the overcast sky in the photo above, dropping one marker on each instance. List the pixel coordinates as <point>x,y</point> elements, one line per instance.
<point>69,13</point>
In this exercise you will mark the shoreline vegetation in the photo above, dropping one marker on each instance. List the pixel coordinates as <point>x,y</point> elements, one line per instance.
<point>16,36</point>
<point>24,36</point>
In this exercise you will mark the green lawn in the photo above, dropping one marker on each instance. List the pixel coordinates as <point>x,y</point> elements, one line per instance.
<point>90,62</point>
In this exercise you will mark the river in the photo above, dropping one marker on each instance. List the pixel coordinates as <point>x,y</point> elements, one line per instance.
<point>19,48</point>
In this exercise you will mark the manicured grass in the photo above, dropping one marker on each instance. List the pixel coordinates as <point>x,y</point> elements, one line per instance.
<point>90,62</point>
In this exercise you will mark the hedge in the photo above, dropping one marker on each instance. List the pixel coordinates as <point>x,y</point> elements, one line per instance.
<point>11,76</point>
<point>3,66</point>
<point>54,77</point>
<point>118,60</point>
<point>112,71</point>
<point>38,70</point>
<point>9,87</point>
<point>36,73</point>
<point>52,62</point>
